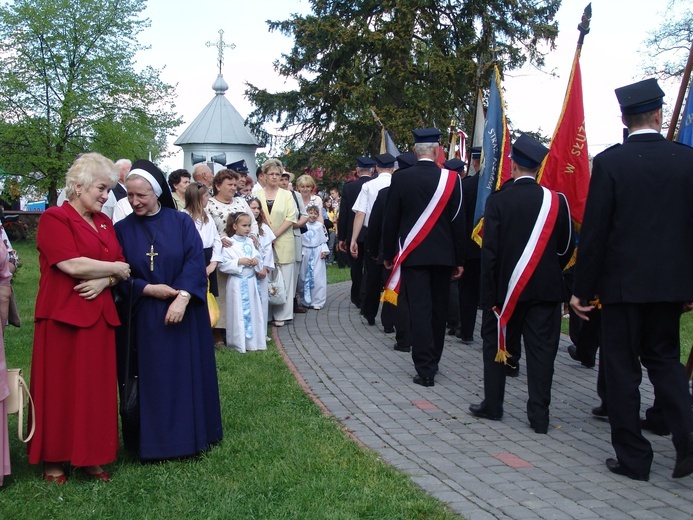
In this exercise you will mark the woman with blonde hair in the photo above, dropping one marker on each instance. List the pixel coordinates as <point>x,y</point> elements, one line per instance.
<point>306,186</point>
<point>280,210</point>
<point>73,366</point>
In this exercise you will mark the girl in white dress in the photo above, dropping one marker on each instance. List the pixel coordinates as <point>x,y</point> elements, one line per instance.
<point>266,238</point>
<point>245,322</point>
<point>312,280</point>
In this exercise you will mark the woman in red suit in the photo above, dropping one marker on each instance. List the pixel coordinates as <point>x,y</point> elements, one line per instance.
<point>73,368</point>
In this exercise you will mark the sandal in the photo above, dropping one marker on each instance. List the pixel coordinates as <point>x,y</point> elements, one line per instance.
<point>58,480</point>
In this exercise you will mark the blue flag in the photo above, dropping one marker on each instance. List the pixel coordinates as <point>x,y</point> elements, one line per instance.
<point>686,129</point>
<point>495,148</point>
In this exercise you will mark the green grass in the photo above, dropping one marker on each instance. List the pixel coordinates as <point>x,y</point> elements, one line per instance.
<point>336,275</point>
<point>280,457</point>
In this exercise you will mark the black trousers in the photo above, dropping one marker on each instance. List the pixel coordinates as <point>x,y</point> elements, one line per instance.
<point>469,296</point>
<point>356,265</point>
<point>453,319</point>
<point>427,289</point>
<point>399,316</point>
<point>539,324</point>
<point>586,335</point>
<point>373,283</point>
<point>647,333</point>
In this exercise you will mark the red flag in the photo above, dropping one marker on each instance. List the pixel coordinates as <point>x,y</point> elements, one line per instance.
<point>566,167</point>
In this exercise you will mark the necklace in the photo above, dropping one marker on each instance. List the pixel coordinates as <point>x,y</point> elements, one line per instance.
<point>151,240</point>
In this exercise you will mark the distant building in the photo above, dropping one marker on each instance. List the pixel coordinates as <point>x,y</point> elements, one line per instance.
<point>219,129</point>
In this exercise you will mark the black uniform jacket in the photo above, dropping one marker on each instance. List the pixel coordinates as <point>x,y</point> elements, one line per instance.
<point>509,218</point>
<point>636,243</point>
<point>410,192</point>
<point>345,222</point>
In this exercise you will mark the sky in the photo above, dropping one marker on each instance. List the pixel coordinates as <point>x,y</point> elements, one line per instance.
<point>611,57</point>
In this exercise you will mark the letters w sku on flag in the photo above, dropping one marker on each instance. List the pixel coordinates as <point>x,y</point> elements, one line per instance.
<point>566,168</point>
<point>495,149</point>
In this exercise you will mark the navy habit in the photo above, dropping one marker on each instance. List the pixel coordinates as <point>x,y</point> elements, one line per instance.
<point>180,414</point>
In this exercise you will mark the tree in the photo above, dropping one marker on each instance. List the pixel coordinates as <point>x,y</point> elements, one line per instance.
<point>69,85</point>
<point>414,62</point>
<point>668,45</point>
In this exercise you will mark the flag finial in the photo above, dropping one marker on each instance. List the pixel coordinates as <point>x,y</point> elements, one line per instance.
<point>584,25</point>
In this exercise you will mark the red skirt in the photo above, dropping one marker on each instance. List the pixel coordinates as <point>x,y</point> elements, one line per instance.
<point>74,387</point>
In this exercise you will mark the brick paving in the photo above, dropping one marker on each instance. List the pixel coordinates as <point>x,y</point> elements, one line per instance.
<point>481,469</point>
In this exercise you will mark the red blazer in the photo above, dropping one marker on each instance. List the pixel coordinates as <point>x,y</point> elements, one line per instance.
<point>63,234</point>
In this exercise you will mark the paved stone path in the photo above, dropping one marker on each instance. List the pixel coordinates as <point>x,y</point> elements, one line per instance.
<point>481,469</point>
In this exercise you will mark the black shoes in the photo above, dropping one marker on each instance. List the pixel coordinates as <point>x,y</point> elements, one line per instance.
<point>388,330</point>
<point>684,457</point>
<point>600,411</point>
<point>400,348</point>
<point>539,428</point>
<point>657,429</point>
<point>615,466</point>
<point>423,381</point>
<point>480,411</point>
<point>572,352</point>
<point>371,321</point>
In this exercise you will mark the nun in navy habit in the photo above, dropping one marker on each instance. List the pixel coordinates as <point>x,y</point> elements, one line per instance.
<point>171,335</point>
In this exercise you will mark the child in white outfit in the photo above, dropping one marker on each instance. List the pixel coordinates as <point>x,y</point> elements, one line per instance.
<point>312,280</point>
<point>245,329</point>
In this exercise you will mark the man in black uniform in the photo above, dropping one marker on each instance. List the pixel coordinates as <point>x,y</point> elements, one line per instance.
<point>345,225</point>
<point>636,253</point>
<point>424,226</point>
<point>516,266</point>
<point>392,317</point>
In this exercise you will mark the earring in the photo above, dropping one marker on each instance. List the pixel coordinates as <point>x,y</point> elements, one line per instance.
<point>79,193</point>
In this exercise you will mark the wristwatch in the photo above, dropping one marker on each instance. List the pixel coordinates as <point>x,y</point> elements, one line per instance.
<point>184,294</point>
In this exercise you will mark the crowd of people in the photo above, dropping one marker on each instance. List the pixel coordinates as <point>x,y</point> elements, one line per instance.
<point>125,297</point>
<point>410,233</point>
<point>123,304</point>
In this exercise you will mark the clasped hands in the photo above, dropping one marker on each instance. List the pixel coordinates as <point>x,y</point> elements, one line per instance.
<point>90,289</point>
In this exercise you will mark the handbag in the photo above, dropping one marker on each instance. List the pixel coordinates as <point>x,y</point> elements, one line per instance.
<point>275,285</point>
<point>17,400</point>
<point>13,310</point>
<point>213,307</point>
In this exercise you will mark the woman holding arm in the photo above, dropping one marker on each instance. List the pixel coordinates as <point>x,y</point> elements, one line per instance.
<point>73,367</point>
<point>171,336</point>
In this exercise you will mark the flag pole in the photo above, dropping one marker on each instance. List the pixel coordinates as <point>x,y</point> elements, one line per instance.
<point>682,93</point>
<point>584,28</point>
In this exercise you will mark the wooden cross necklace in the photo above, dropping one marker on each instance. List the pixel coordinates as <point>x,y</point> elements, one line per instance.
<point>151,240</point>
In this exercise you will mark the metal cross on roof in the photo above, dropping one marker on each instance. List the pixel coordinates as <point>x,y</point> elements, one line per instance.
<point>220,45</point>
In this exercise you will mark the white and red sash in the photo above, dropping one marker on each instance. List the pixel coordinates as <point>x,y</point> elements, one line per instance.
<point>534,249</point>
<point>420,230</point>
